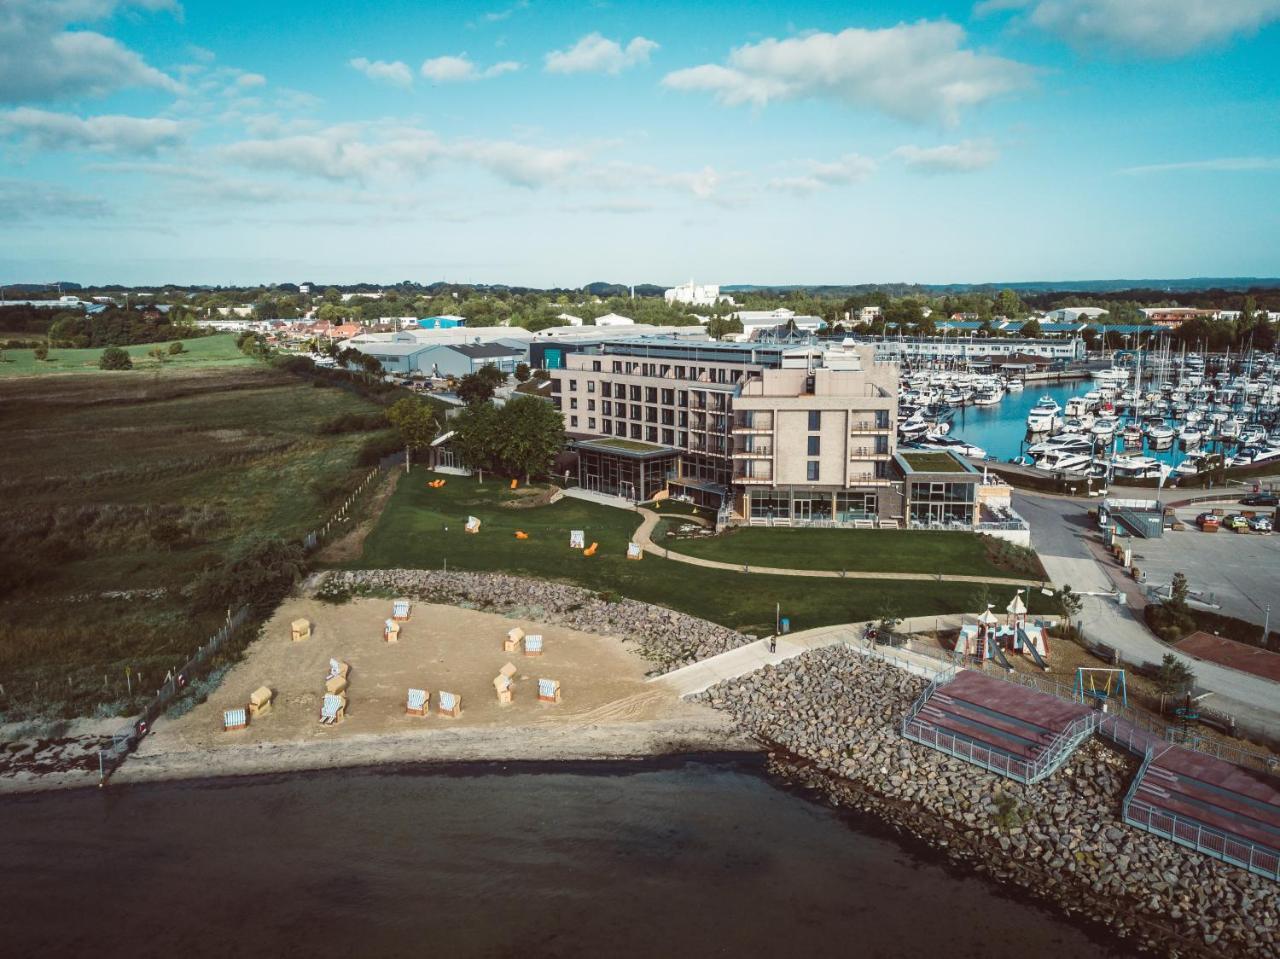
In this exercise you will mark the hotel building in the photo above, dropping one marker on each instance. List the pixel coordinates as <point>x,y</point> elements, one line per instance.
<point>774,433</point>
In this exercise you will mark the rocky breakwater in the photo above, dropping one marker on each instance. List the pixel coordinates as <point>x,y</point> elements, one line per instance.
<point>666,638</point>
<point>831,718</point>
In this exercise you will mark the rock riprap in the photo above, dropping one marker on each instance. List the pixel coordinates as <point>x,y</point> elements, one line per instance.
<point>664,637</point>
<point>831,719</point>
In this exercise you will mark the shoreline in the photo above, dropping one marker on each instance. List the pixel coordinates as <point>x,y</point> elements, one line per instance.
<point>604,742</point>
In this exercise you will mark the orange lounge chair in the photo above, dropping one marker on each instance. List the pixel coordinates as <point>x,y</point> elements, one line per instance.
<point>521,534</point>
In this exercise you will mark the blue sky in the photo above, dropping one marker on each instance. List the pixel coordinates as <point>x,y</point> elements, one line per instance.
<point>556,143</point>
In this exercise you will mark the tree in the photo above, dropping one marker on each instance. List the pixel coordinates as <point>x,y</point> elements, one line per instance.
<point>331,295</point>
<point>477,435</point>
<point>889,618</point>
<point>1069,605</point>
<point>1174,678</point>
<point>1031,329</point>
<point>721,326</point>
<point>114,358</point>
<point>371,365</point>
<point>42,353</point>
<point>532,433</point>
<point>415,421</point>
<point>474,389</point>
<point>522,372</point>
<point>492,375</point>
<point>176,349</point>
<point>1179,590</point>
<point>1008,304</point>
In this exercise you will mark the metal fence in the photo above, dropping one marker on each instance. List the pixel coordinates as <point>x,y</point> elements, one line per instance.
<point>318,535</point>
<point>125,740</point>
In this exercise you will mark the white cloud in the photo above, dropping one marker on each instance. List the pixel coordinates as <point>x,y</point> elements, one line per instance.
<point>41,60</point>
<point>1216,165</point>
<point>461,69</point>
<point>43,130</point>
<point>363,152</point>
<point>850,168</point>
<point>1157,28</point>
<point>497,16</point>
<point>22,200</point>
<point>246,81</point>
<point>395,72</point>
<point>920,72</point>
<point>597,54</point>
<point>964,157</point>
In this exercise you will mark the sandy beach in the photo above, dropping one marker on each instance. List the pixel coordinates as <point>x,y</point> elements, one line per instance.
<point>607,710</point>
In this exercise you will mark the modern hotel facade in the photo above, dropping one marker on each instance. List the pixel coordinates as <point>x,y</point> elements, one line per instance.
<point>777,434</point>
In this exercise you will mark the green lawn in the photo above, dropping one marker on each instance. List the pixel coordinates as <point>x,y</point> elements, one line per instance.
<point>202,352</point>
<point>932,462</point>
<point>423,528</point>
<point>860,550</point>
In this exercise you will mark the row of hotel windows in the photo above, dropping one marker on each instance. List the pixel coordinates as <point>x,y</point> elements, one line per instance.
<point>716,422</point>
<point>680,439</point>
<point>651,394</point>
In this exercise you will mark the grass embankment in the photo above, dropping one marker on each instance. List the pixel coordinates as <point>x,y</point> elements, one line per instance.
<point>423,528</point>
<point>866,550</point>
<point>205,352</point>
<point>134,484</point>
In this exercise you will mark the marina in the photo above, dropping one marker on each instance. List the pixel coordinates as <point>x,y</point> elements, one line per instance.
<point>1142,417</point>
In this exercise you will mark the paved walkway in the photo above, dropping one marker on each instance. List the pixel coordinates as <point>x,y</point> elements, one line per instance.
<point>697,677</point>
<point>644,534</point>
<point>1060,533</point>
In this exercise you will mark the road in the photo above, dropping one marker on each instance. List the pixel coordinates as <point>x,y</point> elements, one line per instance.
<point>1060,531</point>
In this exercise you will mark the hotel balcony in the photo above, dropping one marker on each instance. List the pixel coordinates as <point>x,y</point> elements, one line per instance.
<point>753,422</point>
<point>757,451</point>
<point>868,426</point>
<point>868,453</point>
<point>749,473</point>
<point>868,479</point>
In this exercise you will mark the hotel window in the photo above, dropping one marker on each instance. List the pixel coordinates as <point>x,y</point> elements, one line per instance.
<point>635,411</point>
<point>591,386</point>
<point>651,394</point>
<point>591,423</point>
<point>606,408</point>
<point>815,419</point>
<point>812,471</point>
<point>619,428</point>
<point>573,386</point>
<point>815,446</point>
<point>882,445</point>
<point>573,403</point>
<point>882,419</point>
<point>651,414</point>
<point>595,366</point>
<point>573,421</point>
<point>635,431</point>
<point>669,397</point>
<point>591,406</point>
<point>669,437</point>
<point>635,393</point>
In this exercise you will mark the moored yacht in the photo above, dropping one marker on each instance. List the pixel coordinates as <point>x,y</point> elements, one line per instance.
<point>1045,416</point>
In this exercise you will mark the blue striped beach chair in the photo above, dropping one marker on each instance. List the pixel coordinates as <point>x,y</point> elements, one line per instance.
<point>332,709</point>
<point>449,704</point>
<point>416,704</point>
<point>400,609</point>
<point>548,691</point>
<point>533,644</point>
<point>234,719</point>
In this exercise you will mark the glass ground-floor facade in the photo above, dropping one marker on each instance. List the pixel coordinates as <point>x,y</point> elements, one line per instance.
<point>816,506</point>
<point>633,471</point>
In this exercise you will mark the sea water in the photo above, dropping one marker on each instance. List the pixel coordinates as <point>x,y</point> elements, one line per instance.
<point>696,858</point>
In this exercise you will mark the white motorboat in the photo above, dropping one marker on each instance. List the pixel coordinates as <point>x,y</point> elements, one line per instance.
<point>1161,437</point>
<point>1045,416</point>
<point>1015,386</point>
<point>1064,462</point>
<point>1104,428</point>
<point>955,445</point>
<point>1135,467</point>
<point>1189,436</point>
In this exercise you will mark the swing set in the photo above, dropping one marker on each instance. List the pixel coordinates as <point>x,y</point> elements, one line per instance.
<point>1101,685</point>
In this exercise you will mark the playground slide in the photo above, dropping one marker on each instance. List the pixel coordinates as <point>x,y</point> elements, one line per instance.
<point>997,653</point>
<point>1030,647</point>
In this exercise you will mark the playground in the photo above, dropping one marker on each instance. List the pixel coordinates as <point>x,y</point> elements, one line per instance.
<point>435,649</point>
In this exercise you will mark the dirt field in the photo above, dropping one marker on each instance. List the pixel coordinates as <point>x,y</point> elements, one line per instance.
<point>440,648</point>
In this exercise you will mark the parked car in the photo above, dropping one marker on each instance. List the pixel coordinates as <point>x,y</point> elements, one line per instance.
<point>1260,499</point>
<point>1235,521</point>
<point>1206,519</point>
<point>1260,524</point>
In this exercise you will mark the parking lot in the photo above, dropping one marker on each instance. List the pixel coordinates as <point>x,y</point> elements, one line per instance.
<point>1240,570</point>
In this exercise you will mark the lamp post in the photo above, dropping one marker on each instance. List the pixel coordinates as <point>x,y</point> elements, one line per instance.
<point>1266,625</point>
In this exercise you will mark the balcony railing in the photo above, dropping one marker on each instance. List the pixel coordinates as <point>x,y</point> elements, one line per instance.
<point>755,452</point>
<point>868,426</point>
<point>755,473</point>
<point>757,423</point>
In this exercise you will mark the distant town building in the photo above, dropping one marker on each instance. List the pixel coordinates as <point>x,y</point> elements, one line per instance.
<point>1075,314</point>
<point>696,295</point>
<point>613,319</point>
<point>1173,317</point>
<point>570,319</point>
<point>445,322</point>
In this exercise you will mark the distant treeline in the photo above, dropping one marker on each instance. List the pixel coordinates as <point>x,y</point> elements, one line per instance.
<point>115,327</point>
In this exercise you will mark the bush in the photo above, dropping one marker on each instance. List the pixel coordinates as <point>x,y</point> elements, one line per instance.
<point>1168,622</point>
<point>353,423</point>
<point>376,447</point>
<point>259,570</point>
<point>114,358</point>
<point>176,349</point>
